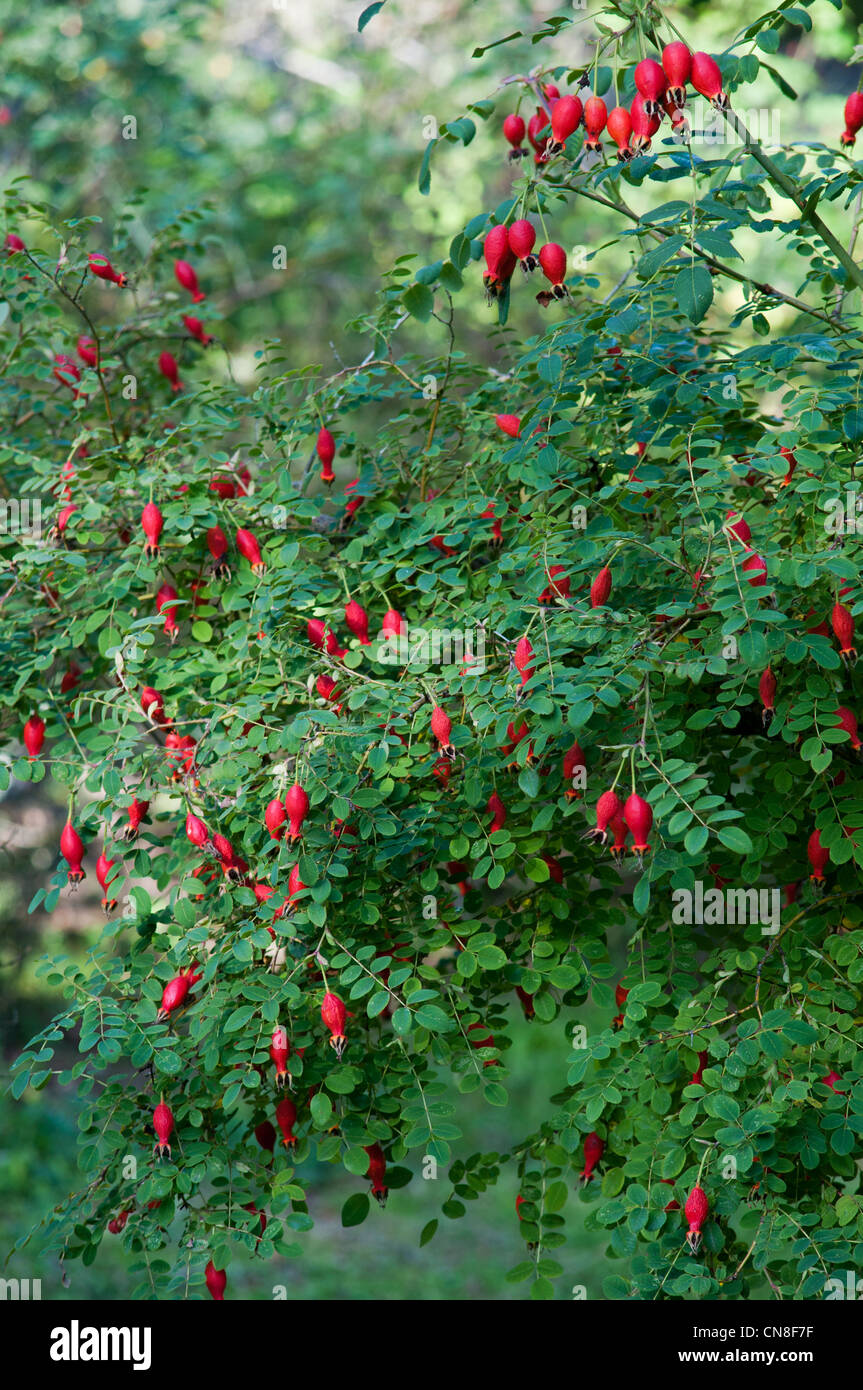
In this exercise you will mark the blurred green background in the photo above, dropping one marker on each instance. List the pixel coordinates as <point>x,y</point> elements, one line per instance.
<point>287,128</point>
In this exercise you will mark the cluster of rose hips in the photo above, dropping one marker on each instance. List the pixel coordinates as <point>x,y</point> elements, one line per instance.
<point>66,369</point>
<point>660,90</point>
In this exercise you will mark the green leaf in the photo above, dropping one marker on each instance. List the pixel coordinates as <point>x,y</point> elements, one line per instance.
<point>735,839</point>
<point>424,179</point>
<point>355,1209</point>
<point>419,302</point>
<point>693,289</point>
<point>369,13</point>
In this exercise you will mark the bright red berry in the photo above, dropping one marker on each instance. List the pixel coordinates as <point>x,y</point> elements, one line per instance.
<point>695,1211</point>
<point>72,850</point>
<point>522,236</point>
<point>639,817</point>
<point>513,132</point>
<point>595,118</point>
<point>249,549</point>
<point>102,267</point>
<point>677,65</point>
<point>853,118</point>
<point>619,125</point>
<point>707,79</point>
<point>297,807</point>
<point>842,624</point>
<point>34,735</point>
<point>169,369</point>
<point>333,1014</point>
<point>216,1279</point>
<point>593,1151</point>
<point>650,83</point>
<point>600,589</point>
<point>358,622</point>
<point>163,1124</point>
<point>189,280</point>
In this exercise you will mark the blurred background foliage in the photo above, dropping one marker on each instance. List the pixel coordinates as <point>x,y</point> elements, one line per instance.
<point>287,128</point>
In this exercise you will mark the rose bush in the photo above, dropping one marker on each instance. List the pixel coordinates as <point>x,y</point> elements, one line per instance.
<point>602,566</point>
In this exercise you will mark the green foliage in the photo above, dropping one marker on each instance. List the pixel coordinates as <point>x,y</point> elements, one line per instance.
<point>652,419</point>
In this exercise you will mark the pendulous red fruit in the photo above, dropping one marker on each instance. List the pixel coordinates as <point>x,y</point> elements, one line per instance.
<point>818,857</point>
<point>707,79</point>
<point>325,447</point>
<point>152,704</point>
<point>620,831</point>
<point>522,659</point>
<point>188,279</point>
<point>441,727</point>
<point>86,349</point>
<point>333,1014</point>
<point>297,807</point>
<point>274,818</point>
<point>286,1118</point>
<point>600,589</point>
<point>695,1212</point>
<point>358,621</point>
<point>509,424</point>
<point>513,132</point>
<point>677,66</point>
<point>217,544</point>
<point>377,1171</point>
<point>151,525</point>
<point>216,1279</point>
<point>755,568</point>
<point>393,624</point>
<point>650,83</point>
<point>644,126</point>
<point>280,1051</point>
<point>72,850</point>
<point>639,817</point>
<point>196,328</point>
<point>498,813</point>
<point>595,119</point>
<point>266,1135</point>
<point>104,865</point>
<point>499,259</point>
<point>738,526</point>
<point>619,126</point>
<point>196,831</point>
<point>249,549</point>
<point>100,266</point>
<point>164,602</point>
<point>848,722</point>
<point>175,991</point>
<point>853,118</point>
<point>767,693</point>
<point>522,236</point>
<point>320,635</point>
<point>552,261</point>
<point>66,371</point>
<point>565,118</point>
<point>34,735</point>
<point>593,1151</point>
<point>169,369</point>
<point>607,807</point>
<point>163,1124</point>
<point>574,764</point>
<point>842,624</point>
<point>697,1076</point>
